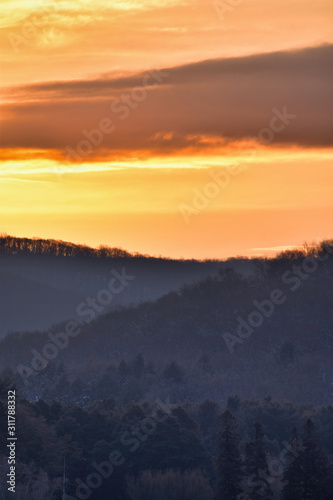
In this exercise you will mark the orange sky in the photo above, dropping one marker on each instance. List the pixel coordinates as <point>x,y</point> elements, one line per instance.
<point>178,128</point>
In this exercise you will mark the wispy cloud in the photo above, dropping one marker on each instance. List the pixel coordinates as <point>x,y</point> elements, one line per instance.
<point>279,248</point>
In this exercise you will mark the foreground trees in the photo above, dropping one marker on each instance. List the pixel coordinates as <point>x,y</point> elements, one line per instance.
<point>165,453</point>
<point>308,474</point>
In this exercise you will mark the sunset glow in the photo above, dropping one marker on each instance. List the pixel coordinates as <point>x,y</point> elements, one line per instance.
<point>168,127</point>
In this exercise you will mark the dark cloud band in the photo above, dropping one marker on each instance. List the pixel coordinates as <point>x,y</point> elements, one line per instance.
<point>226,98</point>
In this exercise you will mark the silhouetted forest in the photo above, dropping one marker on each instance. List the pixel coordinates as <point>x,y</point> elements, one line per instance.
<point>46,279</point>
<point>220,388</point>
<point>245,449</point>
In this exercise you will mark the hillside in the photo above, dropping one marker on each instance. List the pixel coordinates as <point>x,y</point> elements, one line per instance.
<point>199,341</point>
<point>54,276</point>
<point>29,303</point>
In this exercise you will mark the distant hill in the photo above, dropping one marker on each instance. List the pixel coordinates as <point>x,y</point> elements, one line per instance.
<point>43,281</point>
<point>27,304</point>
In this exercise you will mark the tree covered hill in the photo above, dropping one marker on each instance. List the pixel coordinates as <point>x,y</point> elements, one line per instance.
<point>269,333</point>
<point>60,274</point>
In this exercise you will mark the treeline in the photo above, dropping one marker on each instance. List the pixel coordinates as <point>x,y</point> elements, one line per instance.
<point>39,246</point>
<point>164,451</point>
<point>13,245</point>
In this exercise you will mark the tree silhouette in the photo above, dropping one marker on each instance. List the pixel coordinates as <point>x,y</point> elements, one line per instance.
<point>229,461</point>
<point>316,468</point>
<point>293,472</point>
<point>257,468</point>
<point>309,476</point>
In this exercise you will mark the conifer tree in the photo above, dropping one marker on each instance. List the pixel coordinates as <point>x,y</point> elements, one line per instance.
<point>293,472</point>
<point>316,467</point>
<point>257,469</point>
<point>229,459</point>
<point>309,475</point>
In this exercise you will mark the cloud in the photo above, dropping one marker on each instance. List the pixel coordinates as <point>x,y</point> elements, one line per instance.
<point>193,106</point>
<point>282,64</point>
<point>278,248</point>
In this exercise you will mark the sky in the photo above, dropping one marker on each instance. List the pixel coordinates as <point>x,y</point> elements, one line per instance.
<point>195,129</point>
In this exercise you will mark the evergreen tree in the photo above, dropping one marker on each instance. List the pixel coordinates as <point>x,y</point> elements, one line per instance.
<point>292,490</point>
<point>229,459</point>
<point>257,468</point>
<point>309,475</point>
<point>316,467</point>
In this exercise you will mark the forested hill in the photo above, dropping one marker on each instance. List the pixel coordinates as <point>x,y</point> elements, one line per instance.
<point>270,333</point>
<point>58,248</point>
<point>43,281</point>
